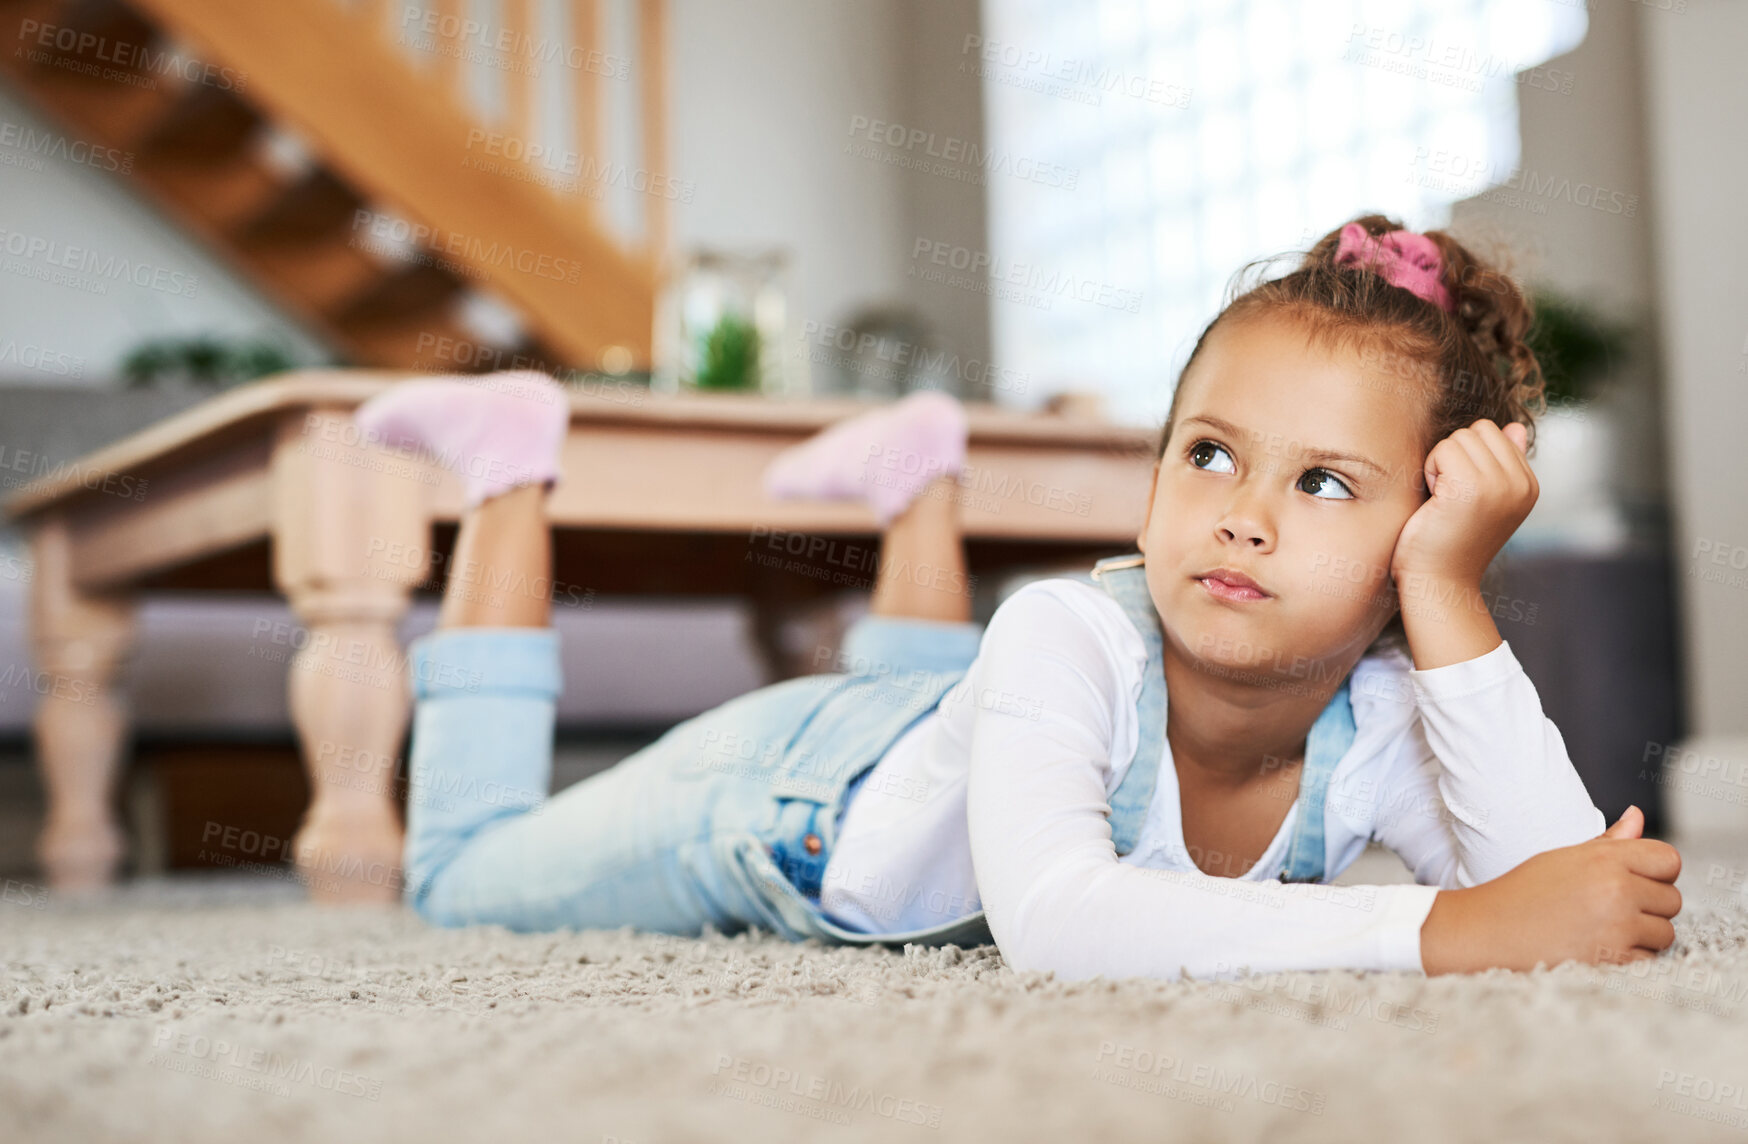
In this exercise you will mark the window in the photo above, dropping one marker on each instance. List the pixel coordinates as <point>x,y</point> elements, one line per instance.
<point>1187,138</point>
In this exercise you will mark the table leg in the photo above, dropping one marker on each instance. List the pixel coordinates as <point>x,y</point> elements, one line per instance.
<point>773,607</point>
<point>349,704</point>
<point>351,528</point>
<point>766,617</point>
<point>80,641</point>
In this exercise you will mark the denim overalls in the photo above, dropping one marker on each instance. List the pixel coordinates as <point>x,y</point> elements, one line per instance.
<point>729,818</point>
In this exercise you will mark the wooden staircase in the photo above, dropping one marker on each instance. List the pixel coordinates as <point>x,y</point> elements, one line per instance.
<point>348,175</point>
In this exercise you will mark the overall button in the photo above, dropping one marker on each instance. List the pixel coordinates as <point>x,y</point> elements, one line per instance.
<point>812,844</point>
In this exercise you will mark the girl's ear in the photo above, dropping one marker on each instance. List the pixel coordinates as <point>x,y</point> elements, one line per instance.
<point>1152,491</point>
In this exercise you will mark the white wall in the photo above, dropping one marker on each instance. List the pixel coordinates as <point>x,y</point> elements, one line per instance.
<point>944,95</point>
<point>763,96</point>
<point>1696,107</point>
<point>75,205</point>
<point>763,93</point>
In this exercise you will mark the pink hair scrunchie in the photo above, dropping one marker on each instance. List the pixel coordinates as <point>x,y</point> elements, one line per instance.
<point>1403,257</point>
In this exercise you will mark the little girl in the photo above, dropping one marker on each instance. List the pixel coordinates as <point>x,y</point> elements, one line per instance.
<point>1343,458</point>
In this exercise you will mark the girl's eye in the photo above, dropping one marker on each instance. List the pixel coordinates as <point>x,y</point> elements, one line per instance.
<point>1202,455</point>
<point>1320,481</point>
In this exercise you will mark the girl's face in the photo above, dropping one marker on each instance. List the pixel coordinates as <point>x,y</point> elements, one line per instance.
<point>1295,465</point>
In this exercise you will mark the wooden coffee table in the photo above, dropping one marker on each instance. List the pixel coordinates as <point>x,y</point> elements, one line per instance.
<point>270,487</point>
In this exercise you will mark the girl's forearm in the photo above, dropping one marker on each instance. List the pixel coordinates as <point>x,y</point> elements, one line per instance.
<point>1449,938</point>
<point>1446,620</point>
<point>1489,769</point>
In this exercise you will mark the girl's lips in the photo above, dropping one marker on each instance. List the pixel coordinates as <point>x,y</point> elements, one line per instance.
<point>1225,591</point>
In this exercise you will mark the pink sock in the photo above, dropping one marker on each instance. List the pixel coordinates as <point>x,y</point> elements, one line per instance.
<point>885,457</point>
<point>499,430</point>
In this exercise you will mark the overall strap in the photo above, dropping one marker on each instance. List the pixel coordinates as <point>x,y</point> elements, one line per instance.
<point>1328,741</point>
<point>1124,578</point>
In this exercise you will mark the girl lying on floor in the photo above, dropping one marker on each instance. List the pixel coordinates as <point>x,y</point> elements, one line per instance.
<point>1343,458</point>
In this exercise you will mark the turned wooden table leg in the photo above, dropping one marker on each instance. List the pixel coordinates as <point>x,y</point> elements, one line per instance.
<point>349,704</point>
<point>80,641</point>
<point>351,525</point>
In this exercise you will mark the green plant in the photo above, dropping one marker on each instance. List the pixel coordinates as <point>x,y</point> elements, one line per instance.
<point>203,361</point>
<point>1575,343</point>
<point>730,357</point>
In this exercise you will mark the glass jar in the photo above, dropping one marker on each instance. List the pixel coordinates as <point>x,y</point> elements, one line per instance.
<point>720,327</point>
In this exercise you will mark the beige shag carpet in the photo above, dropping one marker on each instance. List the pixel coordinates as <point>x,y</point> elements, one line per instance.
<point>231,1012</point>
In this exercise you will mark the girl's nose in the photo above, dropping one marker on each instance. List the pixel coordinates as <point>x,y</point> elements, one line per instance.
<point>1244,532</point>
<point>1245,523</point>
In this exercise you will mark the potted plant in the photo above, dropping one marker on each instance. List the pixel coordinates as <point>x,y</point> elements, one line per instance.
<point>720,325</point>
<point>1577,443</point>
<point>203,362</point>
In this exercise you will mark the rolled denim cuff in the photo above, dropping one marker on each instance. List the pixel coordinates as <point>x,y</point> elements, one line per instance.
<point>877,645</point>
<point>494,660</point>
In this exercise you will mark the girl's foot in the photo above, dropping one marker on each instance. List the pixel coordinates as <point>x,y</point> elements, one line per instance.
<point>885,457</point>
<point>499,430</point>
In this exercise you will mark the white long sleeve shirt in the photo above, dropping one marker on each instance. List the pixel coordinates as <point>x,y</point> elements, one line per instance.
<point>999,799</point>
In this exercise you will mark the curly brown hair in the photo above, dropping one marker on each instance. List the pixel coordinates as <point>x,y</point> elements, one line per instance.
<point>1473,363</point>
